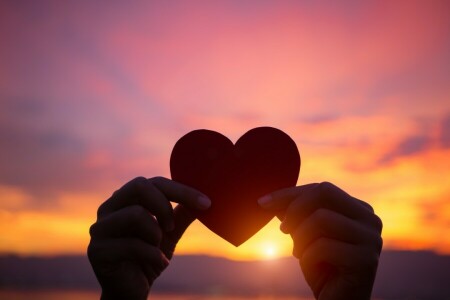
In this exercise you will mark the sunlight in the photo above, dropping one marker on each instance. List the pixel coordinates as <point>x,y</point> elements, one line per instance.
<point>269,251</point>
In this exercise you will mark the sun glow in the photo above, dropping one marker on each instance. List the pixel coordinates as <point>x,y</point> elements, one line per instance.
<point>269,251</point>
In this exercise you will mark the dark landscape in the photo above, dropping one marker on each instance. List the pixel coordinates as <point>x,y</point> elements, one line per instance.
<point>401,275</point>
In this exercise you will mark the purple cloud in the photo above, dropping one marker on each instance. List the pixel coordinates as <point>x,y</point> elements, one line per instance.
<point>408,146</point>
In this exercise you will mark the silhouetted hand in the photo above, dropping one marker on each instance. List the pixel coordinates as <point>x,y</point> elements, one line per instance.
<point>337,238</point>
<point>136,233</point>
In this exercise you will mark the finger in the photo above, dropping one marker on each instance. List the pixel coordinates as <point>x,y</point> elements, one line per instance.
<point>181,194</point>
<point>140,191</point>
<point>183,218</point>
<point>131,221</point>
<point>129,194</point>
<point>178,193</point>
<point>367,205</point>
<point>280,200</point>
<point>158,204</point>
<point>324,195</point>
<point>149,258</point>
<point>325,223</point>
<point>155,195</point>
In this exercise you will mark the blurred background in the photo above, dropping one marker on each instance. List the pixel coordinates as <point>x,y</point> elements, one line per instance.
<point>93,94</point>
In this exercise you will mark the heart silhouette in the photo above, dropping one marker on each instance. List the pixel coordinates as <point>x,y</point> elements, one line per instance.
<point>234,177</point>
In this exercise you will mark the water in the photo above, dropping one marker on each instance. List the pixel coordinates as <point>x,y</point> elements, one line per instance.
<point>92,295</point>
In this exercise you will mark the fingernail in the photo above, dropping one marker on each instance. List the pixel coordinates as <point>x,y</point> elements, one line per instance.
<point>165,261</point>
<point>203,202</point>
<point>263,201</point>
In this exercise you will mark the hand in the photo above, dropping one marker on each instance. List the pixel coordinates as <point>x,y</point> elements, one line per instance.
<point>337,238</point>
<point>136,233</point>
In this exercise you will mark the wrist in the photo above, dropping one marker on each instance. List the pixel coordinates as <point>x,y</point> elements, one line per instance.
<point>129,295</point>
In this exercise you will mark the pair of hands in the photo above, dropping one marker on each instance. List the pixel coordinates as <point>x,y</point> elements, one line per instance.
<point>337,238</point>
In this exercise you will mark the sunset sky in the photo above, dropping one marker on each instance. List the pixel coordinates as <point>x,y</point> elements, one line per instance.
<point>93,94</point>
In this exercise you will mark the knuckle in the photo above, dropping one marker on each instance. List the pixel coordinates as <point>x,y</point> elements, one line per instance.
<point>378,243</point>
<point>91,251</point>
<point>377,223</point>
<point>102,209</point>
<point>92,230</point>
<point>321,217</point>
<point>325,188</point>
<point>137,212</point>
<point>157,179</point>
<point>139,183</point>
<point>139,180</point>
<point>369,207</point>
<point>115,194</point>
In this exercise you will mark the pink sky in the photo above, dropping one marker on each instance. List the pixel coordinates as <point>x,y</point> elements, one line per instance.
<point>94,94</point>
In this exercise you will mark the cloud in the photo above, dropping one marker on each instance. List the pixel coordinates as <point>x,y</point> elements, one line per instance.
<point>444,138</point>
<point>45,149</point>
<point>14,198</point>
<point>34,154</point>
<point>93,95</point>
<point>430,134</point>
<point>437,213</point>
<point>408,146</point>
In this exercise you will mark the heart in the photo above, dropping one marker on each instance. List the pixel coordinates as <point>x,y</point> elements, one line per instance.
<point>234,177</point>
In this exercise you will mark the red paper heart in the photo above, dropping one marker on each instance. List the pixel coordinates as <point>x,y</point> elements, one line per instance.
<point>234,177</point>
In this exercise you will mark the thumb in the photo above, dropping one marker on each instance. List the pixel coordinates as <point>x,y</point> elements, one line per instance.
<point>183,218</point>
